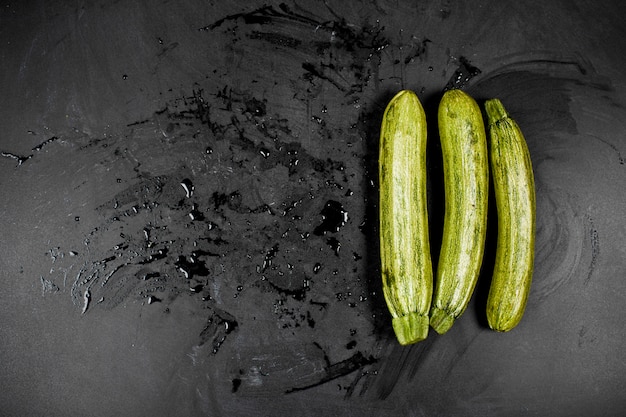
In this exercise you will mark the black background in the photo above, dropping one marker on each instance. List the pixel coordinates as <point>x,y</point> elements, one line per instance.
<point>189,207</point>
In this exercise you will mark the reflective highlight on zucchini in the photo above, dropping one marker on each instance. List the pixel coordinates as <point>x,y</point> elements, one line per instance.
<point>514,187</point>
<point>404,240</point>
<point>466,186</point>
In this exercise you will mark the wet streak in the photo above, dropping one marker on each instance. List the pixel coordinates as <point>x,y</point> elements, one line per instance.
<point>218,326</point>
<point>559,245</point>
<point>462,75</point>
<point>23,158</point>
<point>400,364</point>
<point>245,230</point>
<point>336,370</point>
<point>331,50</point>
<point>594,244</point>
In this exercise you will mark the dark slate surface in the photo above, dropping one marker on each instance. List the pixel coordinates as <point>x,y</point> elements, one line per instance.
<point>189,207</point>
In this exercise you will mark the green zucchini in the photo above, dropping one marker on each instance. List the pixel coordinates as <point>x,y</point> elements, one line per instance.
<point>466,185</point>
<point>514,188</point>
<point>406,265</point>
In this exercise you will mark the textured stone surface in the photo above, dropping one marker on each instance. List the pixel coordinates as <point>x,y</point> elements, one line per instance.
<point>189,207</point>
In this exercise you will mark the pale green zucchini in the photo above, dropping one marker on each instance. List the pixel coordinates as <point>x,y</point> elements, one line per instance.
<point>514,187</point>
<point>404,241</point>
<point>466,186</point>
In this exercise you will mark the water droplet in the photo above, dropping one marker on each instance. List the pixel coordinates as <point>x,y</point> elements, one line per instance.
<point>184,270</point>
<point>191,266</point>
<point>86,299</point>
<point>196,288</point>
<point>153,299</point>
<point>333,217</point>
<point>267,261</point>
<point>195,214</point>
<point>146,276</point>
<point>188,187</point>
<point>256,107</point>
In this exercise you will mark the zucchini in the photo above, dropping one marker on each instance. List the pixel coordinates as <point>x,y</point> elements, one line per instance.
<point>514,190</point>
<point>407,276</point>
<point>466,186</point>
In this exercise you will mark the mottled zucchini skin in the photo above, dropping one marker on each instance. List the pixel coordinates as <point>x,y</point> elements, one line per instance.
<point>466,185</point>
<point>514,190</point>
<point>404,241</point>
